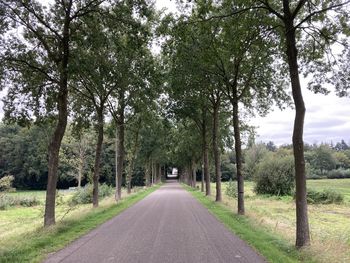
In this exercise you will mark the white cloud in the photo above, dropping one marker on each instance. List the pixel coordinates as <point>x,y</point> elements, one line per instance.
<point>327,119</point>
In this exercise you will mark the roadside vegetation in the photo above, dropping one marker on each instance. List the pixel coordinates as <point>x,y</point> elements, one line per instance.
<point>330,225</point>
<point>23,239</point>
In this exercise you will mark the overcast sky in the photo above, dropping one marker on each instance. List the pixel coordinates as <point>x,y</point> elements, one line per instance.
<point>327,117</point>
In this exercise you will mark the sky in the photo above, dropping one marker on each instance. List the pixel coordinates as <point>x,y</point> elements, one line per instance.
<point>327,116</point>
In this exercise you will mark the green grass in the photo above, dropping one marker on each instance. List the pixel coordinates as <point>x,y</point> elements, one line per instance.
<point>269,245</point>
<point>34,247</point>
<point>339,185</point>
<point>329,223</point>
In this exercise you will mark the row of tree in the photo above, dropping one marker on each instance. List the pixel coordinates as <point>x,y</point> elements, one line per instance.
<point>228,60</point>
<point>221,62</point>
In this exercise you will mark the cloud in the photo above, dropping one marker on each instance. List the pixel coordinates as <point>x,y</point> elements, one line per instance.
<point>327,119</point>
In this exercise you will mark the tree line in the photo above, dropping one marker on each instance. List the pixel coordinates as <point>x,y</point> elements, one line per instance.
<point>88,64</point>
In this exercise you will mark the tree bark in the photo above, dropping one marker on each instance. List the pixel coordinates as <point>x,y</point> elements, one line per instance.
<point>54,148</point>
<point>238,150</point>
<point>302,228</point>
<point>147,174</point>
<point>152,172</point>
<point>117,196</point>
<point>56,139</point>
<point>120,152</point>
<point>205,156</point>
<point>132,158</point>
<point>159,173</point>
<point>129,176</point>
<point>202,179</point>
<point>217,150</point>
<point>98,152</point>
<point>80,169</point>
<point>194,177</point>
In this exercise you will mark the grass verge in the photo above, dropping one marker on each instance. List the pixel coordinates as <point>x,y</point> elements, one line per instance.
<point>270,246</point>
<point>36,246</point>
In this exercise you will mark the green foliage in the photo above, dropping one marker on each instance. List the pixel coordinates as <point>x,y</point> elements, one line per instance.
<point>338,174</point>
<point>322,158</point>
<point>228,168</point>
<point>7,201</point>
<point>252,157</point>
<point>275,175</point>
<point>231,189</point>
<point>84,194</point>
<point>6,183</point>
<point>326,196</point>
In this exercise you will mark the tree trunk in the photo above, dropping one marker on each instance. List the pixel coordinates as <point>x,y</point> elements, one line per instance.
<point>56,139</point>
<point>202,179</point>
<point>217,150</point>
<point>205,156</point>
<point>80,170</point>
<point>238,149</point>
<point>98,152</point>
<point>54,148</point>
<point>302,229</point>
<point>117,196</point>
<point>189,175</point>
<point>120,151</point>
<point>194,176</point>
<point>132,157</point>
<point>147,174</point>
<point>129,176</point>
<point>152,172</point>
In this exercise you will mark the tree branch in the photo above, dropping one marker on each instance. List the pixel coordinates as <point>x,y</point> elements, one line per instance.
<point>308,17</point>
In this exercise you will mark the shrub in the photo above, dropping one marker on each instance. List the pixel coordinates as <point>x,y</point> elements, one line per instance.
<point>7,201</point>
<point>231,189</point>
<point>6,183</point>
<point>275,175</point>
<point>324,197</point>
<point>84,194</point>
<point>338,174</point>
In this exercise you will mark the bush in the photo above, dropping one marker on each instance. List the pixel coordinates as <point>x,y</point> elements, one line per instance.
<point>324,197</point>
<point>84,194</point>
<point>6,183</point>
<point>231,189</point>
<point>275,175</point>
<point>7,201</point>
<point>338,174</point>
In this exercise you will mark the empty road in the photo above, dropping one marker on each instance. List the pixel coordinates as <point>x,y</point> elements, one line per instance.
<point>169,225</point>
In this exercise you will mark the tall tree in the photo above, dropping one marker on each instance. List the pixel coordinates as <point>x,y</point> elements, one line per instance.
<point>306,31</point>
<point>38,66</point>
<point>240,50</point>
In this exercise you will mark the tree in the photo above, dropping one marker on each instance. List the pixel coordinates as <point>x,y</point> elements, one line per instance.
<point>134,132</point>
<point>309,30</point>
<point>252,158</point>
<point>38,66</point>
<point>241,62</point>
<point>323,158</point>
<point>188,48</point>
<point>77,151</point>
<point>341,146</point>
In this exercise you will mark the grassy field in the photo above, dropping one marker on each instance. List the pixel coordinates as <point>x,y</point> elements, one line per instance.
<point>329,224</point>
<point>22,238</point>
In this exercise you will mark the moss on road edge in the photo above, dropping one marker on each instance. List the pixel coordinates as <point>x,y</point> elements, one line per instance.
<point>271,247</point>
<point>36,246</point>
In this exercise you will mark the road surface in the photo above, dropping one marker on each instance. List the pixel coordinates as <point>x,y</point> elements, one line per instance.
<point>169,225</point>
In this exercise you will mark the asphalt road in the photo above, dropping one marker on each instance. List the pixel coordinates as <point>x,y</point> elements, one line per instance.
<point>169,225</point>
